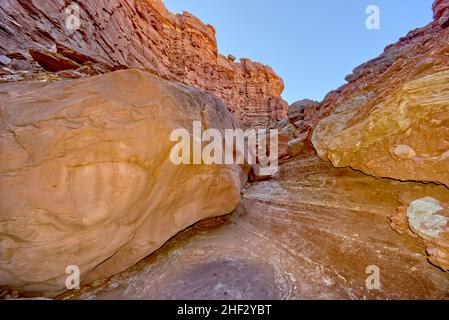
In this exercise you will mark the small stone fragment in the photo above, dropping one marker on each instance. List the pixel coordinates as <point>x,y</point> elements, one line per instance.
<point>404,152</point>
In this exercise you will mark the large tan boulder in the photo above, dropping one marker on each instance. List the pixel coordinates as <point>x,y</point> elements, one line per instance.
<point>86,179</point>
<point>403,136</point>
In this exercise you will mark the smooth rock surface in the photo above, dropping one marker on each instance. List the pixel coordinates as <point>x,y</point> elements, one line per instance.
<point>86,179</point>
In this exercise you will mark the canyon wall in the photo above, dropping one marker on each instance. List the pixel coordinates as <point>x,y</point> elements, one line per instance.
<point>143,34</point>
<point>391,120</point>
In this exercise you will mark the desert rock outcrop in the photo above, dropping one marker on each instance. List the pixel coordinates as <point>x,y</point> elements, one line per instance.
<point>86,179</point>
<point>142,34</point>
<point>404,136</point>
<point>392,118</point>
<point>392,121</point>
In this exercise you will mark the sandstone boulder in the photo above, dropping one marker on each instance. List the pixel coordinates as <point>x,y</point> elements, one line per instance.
<point>426,220</point>
<point>86,179</point>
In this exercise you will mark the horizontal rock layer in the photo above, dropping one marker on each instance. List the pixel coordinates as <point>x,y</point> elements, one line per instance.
<point>86,179</point>
<point>440,8</point>
<point>404,136</point>
<point>144,34</point>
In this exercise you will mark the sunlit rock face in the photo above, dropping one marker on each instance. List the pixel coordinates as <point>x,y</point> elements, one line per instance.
<point>404,136</point>
<point>392,118</point>
<point>142,34</point>
<point>86,179</point>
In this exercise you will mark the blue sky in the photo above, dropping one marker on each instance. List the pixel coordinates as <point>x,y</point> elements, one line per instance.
<point>311,44</point>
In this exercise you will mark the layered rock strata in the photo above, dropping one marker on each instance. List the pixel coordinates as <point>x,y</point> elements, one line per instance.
<point>404,135</point>
<point>392,120</point>
<point>134,33</point>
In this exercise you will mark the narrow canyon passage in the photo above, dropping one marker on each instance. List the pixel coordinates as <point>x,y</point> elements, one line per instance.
<point>308,234</point>
<point>122,139</point>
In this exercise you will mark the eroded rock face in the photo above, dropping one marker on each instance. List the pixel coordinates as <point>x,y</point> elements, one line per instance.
<point>144,34</point>
<point>405,136</point>
<point>302,110</point>
<point>440,9</point>
<point>86,179</point>
<point>392,118</point>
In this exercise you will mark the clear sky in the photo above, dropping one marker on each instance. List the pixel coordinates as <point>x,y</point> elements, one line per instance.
<point>311,44</point>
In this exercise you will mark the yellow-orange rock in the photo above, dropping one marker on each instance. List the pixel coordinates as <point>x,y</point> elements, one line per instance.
<point>86,180</point>
<point>404,136</point>
<point>392,118</point>
<point>310,233</point>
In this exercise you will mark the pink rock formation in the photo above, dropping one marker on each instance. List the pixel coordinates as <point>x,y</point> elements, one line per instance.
<point>440,9</point>
<point>145,34</point>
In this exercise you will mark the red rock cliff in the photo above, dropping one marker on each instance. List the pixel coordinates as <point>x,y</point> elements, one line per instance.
<point>440,8</point>
<point>138,33</point>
